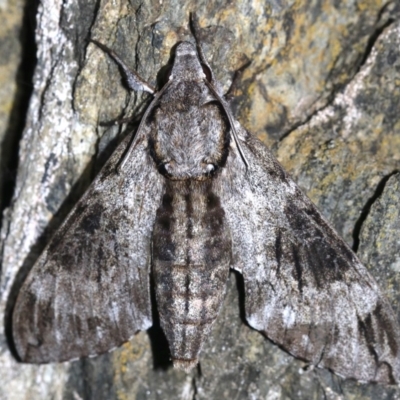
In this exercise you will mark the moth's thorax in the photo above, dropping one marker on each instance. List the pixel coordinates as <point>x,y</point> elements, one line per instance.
<point>193,142</point>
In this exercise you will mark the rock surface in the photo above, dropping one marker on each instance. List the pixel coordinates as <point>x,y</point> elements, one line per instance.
<point>323,87</point>
<point>15,87</point>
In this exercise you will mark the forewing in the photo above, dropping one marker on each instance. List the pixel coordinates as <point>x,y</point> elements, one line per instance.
<point>304,288</point>
<point>89,290</point>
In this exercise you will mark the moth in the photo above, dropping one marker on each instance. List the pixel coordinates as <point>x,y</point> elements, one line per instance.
<point>190,196</point>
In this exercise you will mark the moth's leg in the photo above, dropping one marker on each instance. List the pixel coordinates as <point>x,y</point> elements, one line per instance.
<point>135,82</point>
<point>230,94</point>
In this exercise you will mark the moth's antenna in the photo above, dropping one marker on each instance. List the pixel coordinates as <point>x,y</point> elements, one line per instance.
<point>135,82</point>
<point>194,24</point>
<point>142,122</point>
<point>195,28</point>
<point>231,121</point>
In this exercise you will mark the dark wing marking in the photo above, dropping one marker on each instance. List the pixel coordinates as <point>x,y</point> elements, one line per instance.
<point>304,287</point>
<point>89,290</point>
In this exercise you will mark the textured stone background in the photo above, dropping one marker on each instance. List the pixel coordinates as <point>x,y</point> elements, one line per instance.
<point>323,89</point>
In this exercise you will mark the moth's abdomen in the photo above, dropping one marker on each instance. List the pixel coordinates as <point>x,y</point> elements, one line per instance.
<point>191,258</point>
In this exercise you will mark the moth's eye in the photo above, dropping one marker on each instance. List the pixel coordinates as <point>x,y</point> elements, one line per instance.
<point>210,168</point>
<point>207,72</point>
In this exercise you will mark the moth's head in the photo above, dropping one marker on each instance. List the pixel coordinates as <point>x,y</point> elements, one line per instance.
<point>187,65</point>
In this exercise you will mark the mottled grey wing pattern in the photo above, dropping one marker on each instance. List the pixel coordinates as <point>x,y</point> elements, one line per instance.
<point>105,242</point>
<point>304,288</point>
